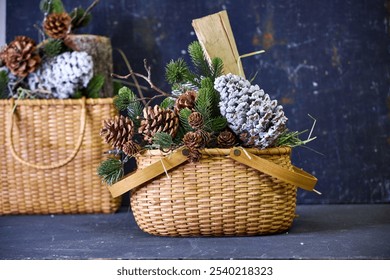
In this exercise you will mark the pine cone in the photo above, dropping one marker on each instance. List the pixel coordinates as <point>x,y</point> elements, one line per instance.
<point>21,57</point>
<point>193,140</point>
<point>186,100</point>
<point>117,131</point>
<point>250,113</point>
<point>63,75</point>
<point>226,139</point>
<point>157,119</point>
<point>195,120</point>
<point>57,25</point>
<point>205,137</point>
<point>131,148</point>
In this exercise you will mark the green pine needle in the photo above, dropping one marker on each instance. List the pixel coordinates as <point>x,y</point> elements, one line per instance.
<point>167,103</point>
<point>183,115</point>
<point>53,47</point>
<point>291,139</point>
<point>127,100</point>
<point>77,14</point>
<point>177,72</point>
<point>216,124</point>
<point>217,67</point>
<point>94,86</point>
<point>51,6</point>
<point>162,140</point>
<point>199,60</point>
<point>111,171</point>
<point>3,84</point>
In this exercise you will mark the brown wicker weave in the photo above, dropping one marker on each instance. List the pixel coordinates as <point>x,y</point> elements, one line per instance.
<point>50,150</point>
<point>216,196</point>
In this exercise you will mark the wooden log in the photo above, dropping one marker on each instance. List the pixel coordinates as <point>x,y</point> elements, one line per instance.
<point>216,37</point>
<point>99,47</point>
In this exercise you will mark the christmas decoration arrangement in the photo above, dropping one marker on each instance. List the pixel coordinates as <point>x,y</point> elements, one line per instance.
<point>54,68</point>
<point>206,109</point>
<point>213,154</point>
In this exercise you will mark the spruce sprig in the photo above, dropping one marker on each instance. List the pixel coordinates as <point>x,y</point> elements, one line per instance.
<point>127,100</point>
<point>183,116</point>
<point>167,103</point>
<point>177,72</point>
<point>79,18</point>
<point>111,170</point>
<point>162,140</point>
<point>51,6</point>
<point>53,47</point>
<point>199,60</point>
<point>94,86</point>
<point>3,84</point>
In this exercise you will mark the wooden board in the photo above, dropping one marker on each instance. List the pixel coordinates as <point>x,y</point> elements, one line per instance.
<point>216,37</point>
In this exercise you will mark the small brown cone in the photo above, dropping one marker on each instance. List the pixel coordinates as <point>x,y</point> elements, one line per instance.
<point>193,140</point>
<point>195,120</point>
<point>117,131</point>
<point>226,139</point>
<point>157,119</point>
<point>57,25</point>
<point>185,100</point>
<point>21,57</point>
<point>131,148</point>
<point>205,137</point>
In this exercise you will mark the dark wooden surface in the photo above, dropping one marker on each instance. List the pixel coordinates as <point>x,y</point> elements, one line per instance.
<point>329,59</point>
<point>320,232</point>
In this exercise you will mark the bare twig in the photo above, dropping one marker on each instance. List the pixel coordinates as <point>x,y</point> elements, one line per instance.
<point>140,93</point>
<point>87,11</point>
<point>148,79</point>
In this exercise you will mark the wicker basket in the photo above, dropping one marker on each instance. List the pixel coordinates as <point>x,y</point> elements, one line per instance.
<point>220,195</point>
<point>50,153</point>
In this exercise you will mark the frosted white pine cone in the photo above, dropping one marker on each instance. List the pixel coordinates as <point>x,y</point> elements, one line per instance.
<point>64,74</point>
<point>251,113</point>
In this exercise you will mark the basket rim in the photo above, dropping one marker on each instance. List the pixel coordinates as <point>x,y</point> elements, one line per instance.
<point>53,101</point>
<point>226,152</point>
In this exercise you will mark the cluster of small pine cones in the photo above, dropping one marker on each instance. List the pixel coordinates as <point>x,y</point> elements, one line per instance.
<point>21,56</point>
<point>119,132</point>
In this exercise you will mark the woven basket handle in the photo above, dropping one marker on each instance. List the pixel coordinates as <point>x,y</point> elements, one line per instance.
<point>297,177</point>
<point>83,116</point>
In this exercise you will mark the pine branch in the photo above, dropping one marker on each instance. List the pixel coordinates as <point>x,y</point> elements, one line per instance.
<point>216,124</point>
<point>110,170</point>
<point>216,67</point>
<point>127,100</point>
<point>87,12</point>
<point>94,86</point>
<point>167,103</point>
<point>177,72</point>
<point>163,141</point>
<point>51,6</point>
<point>183,116</point>
<point>53,47</point>
<point>3,84</point>
<point>79,19</point>
<point>199,60</point>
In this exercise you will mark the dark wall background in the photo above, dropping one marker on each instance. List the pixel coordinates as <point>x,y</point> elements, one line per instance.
<point>329,59</point>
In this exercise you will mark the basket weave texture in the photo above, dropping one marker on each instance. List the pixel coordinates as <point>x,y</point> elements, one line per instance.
<point>46,133</point>
<point>217,196</point>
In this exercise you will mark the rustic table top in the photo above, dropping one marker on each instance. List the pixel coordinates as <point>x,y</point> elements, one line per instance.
<point>320,232</point>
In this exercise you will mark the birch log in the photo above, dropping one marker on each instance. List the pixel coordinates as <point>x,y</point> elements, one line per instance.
<point>99,47</point>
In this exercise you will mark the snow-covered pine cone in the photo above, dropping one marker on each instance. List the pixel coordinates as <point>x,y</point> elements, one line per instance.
<point>63,75</point>
<point>251,114</point>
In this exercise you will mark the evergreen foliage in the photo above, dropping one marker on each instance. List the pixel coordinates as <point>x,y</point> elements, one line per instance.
<point>3,84</point>
<point>111,170</point>
<point>162,140</point>
<point>127,100</point>
<point>167,103</point>
<point>54,47</point>
<point>78,18</point>
<point>291,139</point>
<point>177,72</point>
<point>183,115</point>
<point>94,86</point>
<point>51,6</point>
<point>199,60</point>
